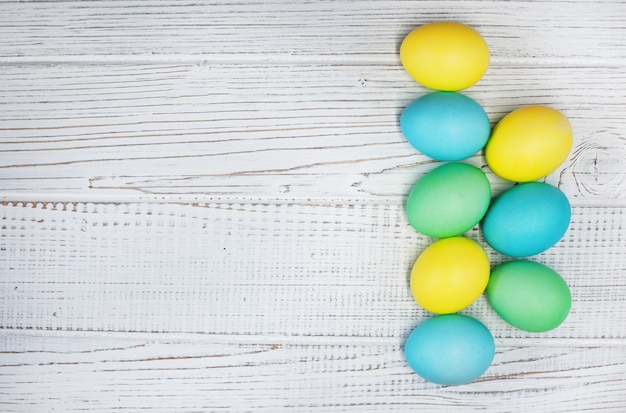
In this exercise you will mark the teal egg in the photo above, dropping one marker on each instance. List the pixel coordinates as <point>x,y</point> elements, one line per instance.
<point>449,200</point>
<point>450,349</point>
<point>446,126</point>
<point>527,219</point>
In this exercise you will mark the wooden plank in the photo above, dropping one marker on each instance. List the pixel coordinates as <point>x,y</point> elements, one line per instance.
<point>276,278</point>
<point>272,131</point>
<point>70,374</point>
<point>264,269</point>
<point>275,30</point>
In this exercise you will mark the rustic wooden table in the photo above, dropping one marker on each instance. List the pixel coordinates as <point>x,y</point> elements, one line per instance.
<point>202,206</point>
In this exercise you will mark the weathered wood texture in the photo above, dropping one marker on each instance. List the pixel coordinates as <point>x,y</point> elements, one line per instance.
<point>274,131</point>
<point>202,205</point>
<point>284,269</point>
<point>196,376</point>
<point>549,31</point>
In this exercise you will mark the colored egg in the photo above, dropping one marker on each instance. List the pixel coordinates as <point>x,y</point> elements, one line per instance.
<point>448,200</point>
<point>449,275</point>
<point>527,219</point>
<point>529,143</point>
<point>450,349</point>
<point>529,295</point>
<point>445,126</point>
<point>445,55</point>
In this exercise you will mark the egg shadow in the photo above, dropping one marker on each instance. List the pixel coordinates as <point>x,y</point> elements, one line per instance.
<point>425,242</point>
<point>421,241</point>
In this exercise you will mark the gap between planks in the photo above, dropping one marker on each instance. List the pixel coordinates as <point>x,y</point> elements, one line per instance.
<point>288,59</point>
<point>18,198</point>
<point>293,339</point>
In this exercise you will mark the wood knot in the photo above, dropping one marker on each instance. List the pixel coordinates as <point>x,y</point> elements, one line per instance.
<point>597,167</point>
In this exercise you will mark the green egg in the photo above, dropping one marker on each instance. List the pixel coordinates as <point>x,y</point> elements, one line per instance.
<point>529,295</point>
<point>449,200</point>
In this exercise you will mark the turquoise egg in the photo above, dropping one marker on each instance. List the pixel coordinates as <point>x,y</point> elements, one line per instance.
<point>450,349</point>
<point>527,219</point>
<point>446,126</point>
<point>449,200</point>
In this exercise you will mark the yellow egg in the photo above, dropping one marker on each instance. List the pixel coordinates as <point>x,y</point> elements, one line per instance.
<point>445,55</point>
<point>529,143</point>
<point>450,275</point>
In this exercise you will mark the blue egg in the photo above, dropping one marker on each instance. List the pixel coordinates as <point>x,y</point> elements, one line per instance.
<point>446,126</point>
<point>450,349</point>
<point>527,219</point>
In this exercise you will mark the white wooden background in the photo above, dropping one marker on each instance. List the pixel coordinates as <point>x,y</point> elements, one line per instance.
<point>202,206</point>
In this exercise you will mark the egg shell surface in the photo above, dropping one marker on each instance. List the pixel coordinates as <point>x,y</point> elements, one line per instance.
<point>450,349</point>
<point>445,126</point>
<point>449,200</point>
<point>449,275</point>
<point>445,55</point>
<point>529,143</point>
<point>529,295</point>
<point>527,219</point>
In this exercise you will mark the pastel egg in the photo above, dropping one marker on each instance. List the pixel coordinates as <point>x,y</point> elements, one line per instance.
<point>445,55</point>
<point>529,295</point>
<point>450,349</point>
<point>448,200</point>
<point>529,143</point>
<point>449,275</point>
<point>445,126</point>
<point>527,219</point>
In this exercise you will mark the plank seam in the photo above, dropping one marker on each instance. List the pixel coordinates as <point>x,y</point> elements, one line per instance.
<point>288,59</point>
<point>312,340</point>
<point>24,198</point>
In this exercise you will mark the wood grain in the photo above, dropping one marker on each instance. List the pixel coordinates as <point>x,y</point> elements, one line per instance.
<point>262,269</point>
<point>88,373</point>
<point>540,31</point>
<point>272,132</point>
<point>201,205</point>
